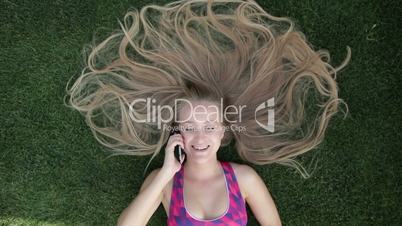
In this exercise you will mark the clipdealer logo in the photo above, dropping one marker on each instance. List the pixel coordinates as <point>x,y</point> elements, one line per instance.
<point>269,104</point>
<point>154,112</point>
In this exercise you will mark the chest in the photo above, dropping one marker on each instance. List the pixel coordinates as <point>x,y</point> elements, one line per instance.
<point>206,201</point>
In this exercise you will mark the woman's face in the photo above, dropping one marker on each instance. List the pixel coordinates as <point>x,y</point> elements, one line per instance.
<point>201,129</point>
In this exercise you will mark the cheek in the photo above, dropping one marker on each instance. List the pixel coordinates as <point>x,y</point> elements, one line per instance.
<point>186,138</point>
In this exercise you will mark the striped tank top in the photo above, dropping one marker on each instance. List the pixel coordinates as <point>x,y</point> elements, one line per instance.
<point>235,215</point>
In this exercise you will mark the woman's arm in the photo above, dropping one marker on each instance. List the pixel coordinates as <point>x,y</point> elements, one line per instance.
<point>259,198</point>
<point>150,197</point>
<point>147,201</point>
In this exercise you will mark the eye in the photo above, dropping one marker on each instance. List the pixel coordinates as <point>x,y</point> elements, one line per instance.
<point>188,129</point>
<point>210,129</point>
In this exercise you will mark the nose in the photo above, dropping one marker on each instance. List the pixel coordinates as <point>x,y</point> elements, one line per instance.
<point>199,135</point>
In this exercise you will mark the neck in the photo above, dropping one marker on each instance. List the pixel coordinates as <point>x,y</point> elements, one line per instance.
<point>202,171</point>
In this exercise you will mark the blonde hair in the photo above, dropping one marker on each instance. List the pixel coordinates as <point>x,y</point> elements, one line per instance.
<point>209,49</point>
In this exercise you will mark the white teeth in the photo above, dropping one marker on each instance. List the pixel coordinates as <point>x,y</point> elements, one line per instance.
<point>200,148</point>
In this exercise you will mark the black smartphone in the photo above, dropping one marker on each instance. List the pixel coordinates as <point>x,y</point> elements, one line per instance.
<point>178,151</point>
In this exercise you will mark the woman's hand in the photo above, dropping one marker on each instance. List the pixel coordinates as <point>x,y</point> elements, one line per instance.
<point>170,164</point>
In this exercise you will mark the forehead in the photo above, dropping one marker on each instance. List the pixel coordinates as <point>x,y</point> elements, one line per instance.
<point>199,112</point>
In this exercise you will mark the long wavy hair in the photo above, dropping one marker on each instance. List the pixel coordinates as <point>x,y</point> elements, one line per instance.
<point>209,49</point>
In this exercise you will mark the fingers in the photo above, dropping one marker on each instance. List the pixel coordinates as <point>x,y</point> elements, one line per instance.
<point>174,140</point>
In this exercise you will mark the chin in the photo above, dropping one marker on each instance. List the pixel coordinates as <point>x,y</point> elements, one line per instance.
<point>202,157</point>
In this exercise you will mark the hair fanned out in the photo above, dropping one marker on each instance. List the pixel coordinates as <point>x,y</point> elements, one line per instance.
<point>206,49</point>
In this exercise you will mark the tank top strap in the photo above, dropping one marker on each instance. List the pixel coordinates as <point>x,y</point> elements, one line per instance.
<point>233,185</point>
<point>176,207</point>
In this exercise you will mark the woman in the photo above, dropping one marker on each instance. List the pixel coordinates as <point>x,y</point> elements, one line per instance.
<point>215,192</point>
<point>229,52</point>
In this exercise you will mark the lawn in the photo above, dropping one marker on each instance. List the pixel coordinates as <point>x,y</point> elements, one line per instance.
<point>53,171</point>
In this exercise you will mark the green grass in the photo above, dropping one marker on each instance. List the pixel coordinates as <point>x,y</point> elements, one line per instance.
<point>53,172</point>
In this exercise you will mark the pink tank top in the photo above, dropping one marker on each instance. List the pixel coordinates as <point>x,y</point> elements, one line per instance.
<point>235,215</point>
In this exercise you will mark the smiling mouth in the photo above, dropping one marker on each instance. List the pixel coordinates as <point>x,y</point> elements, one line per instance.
<point>200,148</point>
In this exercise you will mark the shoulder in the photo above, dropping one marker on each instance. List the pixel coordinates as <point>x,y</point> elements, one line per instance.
<point>246,177</point>
<point>257,195</point>
<point>243,170</point>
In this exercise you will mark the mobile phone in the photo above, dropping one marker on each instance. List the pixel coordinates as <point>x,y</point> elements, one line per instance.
<point>178,151</point>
